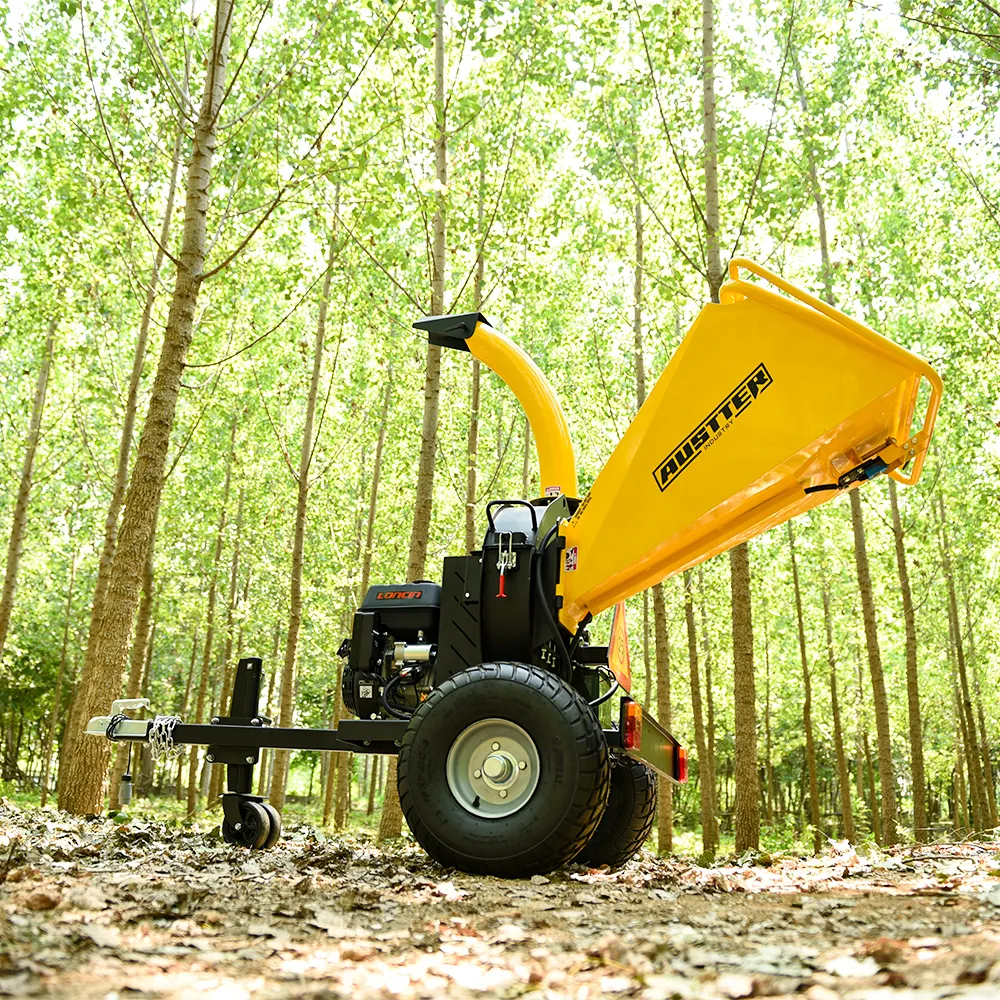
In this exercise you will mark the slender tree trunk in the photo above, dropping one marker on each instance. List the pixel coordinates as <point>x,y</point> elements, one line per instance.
<point>746,818</point>
<point>881,703</point>
<point>432,378</point>
<point>15,542</point>
<point>710,149</point>
<point>281,757</point>
<point>991,797</point>
<point>817,191</point>
<point>263,780</point>
<point>526,462</point>
<point>843,775</point>
<point>50,736</point>
<point>980,808</point>
<point>768,766</point>
<point>228,666</point>
<point>873,806</point>
<point>665,790</point>
<point>87,769</point>
<point>194,785</point>
<point>704,772</point>
<point>137,660</point>
<point>711,760</point>
<point>125,441</point>
<point>375,773</point>
<point>920,828</point>
<point>814,816</point>
<point>366,567</point>
<point>474,387</point>
<point>391,820</point>
<point>182,712</point>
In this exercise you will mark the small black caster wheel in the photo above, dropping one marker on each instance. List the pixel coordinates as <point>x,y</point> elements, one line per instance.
<point>628,818</point>
<point>253,829</point>
<point>275,818</point>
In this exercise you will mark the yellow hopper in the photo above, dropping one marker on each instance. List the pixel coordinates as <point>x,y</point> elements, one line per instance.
<point>770,406</point>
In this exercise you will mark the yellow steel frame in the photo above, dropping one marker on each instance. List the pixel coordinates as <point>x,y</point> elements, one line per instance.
<point>736,287</point>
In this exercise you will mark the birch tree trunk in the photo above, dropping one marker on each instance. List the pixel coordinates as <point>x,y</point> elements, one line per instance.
<point>980,807</point>
<point>100,684</point>
<point>991,796</point>
<point>125,446</point>
<point>194,753</point>
<point>704,773</point>
<point>432,378</point>
<point>15,542</point>
<point>182,713</point>
<point>746,819</point>
<point>391,819</point>
<point>921,832</point>
<point>50,736</point>
<point>814,818</point>
<point>281,757</point>
<point>843,776</point>
<point>474,378</point>
<point>881,703</point>
<point>137,661</point>
<point>665,790</point>
<point>218,770</point>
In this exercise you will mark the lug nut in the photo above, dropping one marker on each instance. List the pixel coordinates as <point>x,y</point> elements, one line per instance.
<point>496,746</point>
<point>477,773</point>
<point>523,765</point>
<point>503,793</point>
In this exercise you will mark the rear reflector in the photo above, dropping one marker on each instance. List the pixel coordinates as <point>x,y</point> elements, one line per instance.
<point>682,764</point>
<point>632,737</point>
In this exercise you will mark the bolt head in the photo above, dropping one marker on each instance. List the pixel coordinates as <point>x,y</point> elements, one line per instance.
<point>502,793</point>
<point>496,746</point>
<point>522,765</point>
<point>237,826</point>
<point>210,757</point>
<point>250,760</point>
<point>215,720</point>
<point>477,773</point>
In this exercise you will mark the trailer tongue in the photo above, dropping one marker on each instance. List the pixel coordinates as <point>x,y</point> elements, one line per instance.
<point>487,685</point>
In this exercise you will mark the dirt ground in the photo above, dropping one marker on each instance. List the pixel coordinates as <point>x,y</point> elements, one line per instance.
<point>95,909</point>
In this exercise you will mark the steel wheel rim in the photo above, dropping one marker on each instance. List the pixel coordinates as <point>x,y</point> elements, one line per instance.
<point>493,768</point>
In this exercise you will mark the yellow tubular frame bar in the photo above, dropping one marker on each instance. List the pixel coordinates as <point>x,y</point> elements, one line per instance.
<point>540,403</point>
<point>735,288</point>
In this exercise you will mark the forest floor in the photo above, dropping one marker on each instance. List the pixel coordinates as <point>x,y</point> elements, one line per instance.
<point>98,909</point>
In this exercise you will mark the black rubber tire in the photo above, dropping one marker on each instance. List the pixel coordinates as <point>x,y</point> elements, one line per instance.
<point>255,827</point>
<point>566,806</point>
<point>628,818</point>
<point>274,834</point>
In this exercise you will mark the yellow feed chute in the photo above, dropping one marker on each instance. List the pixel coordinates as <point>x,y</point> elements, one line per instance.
<point>769,407</point>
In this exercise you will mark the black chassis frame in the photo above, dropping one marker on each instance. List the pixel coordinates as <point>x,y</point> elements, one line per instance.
<point>237,739</point>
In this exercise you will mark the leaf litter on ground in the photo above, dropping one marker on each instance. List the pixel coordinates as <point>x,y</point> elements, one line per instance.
<point>93,908</point>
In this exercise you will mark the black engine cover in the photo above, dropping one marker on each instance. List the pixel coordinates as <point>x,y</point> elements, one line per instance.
<point>406,608</point>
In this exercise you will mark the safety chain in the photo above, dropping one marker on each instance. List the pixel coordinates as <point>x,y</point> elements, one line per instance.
<point>161,737</point>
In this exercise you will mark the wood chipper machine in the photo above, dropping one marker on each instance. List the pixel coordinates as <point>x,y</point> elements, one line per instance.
<point>486,684</point>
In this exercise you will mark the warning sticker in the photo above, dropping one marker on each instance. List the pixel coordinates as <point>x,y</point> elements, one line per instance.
<point>553,491</point>
<point>571,559</point>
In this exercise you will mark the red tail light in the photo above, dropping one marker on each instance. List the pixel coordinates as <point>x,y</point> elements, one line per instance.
<point>632,737</point>
<point>682,764</point>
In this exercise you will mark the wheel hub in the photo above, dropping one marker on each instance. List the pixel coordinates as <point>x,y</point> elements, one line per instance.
<point>493,768</point>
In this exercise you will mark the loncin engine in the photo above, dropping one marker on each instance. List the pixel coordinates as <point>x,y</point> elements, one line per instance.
<point>391,650</point>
